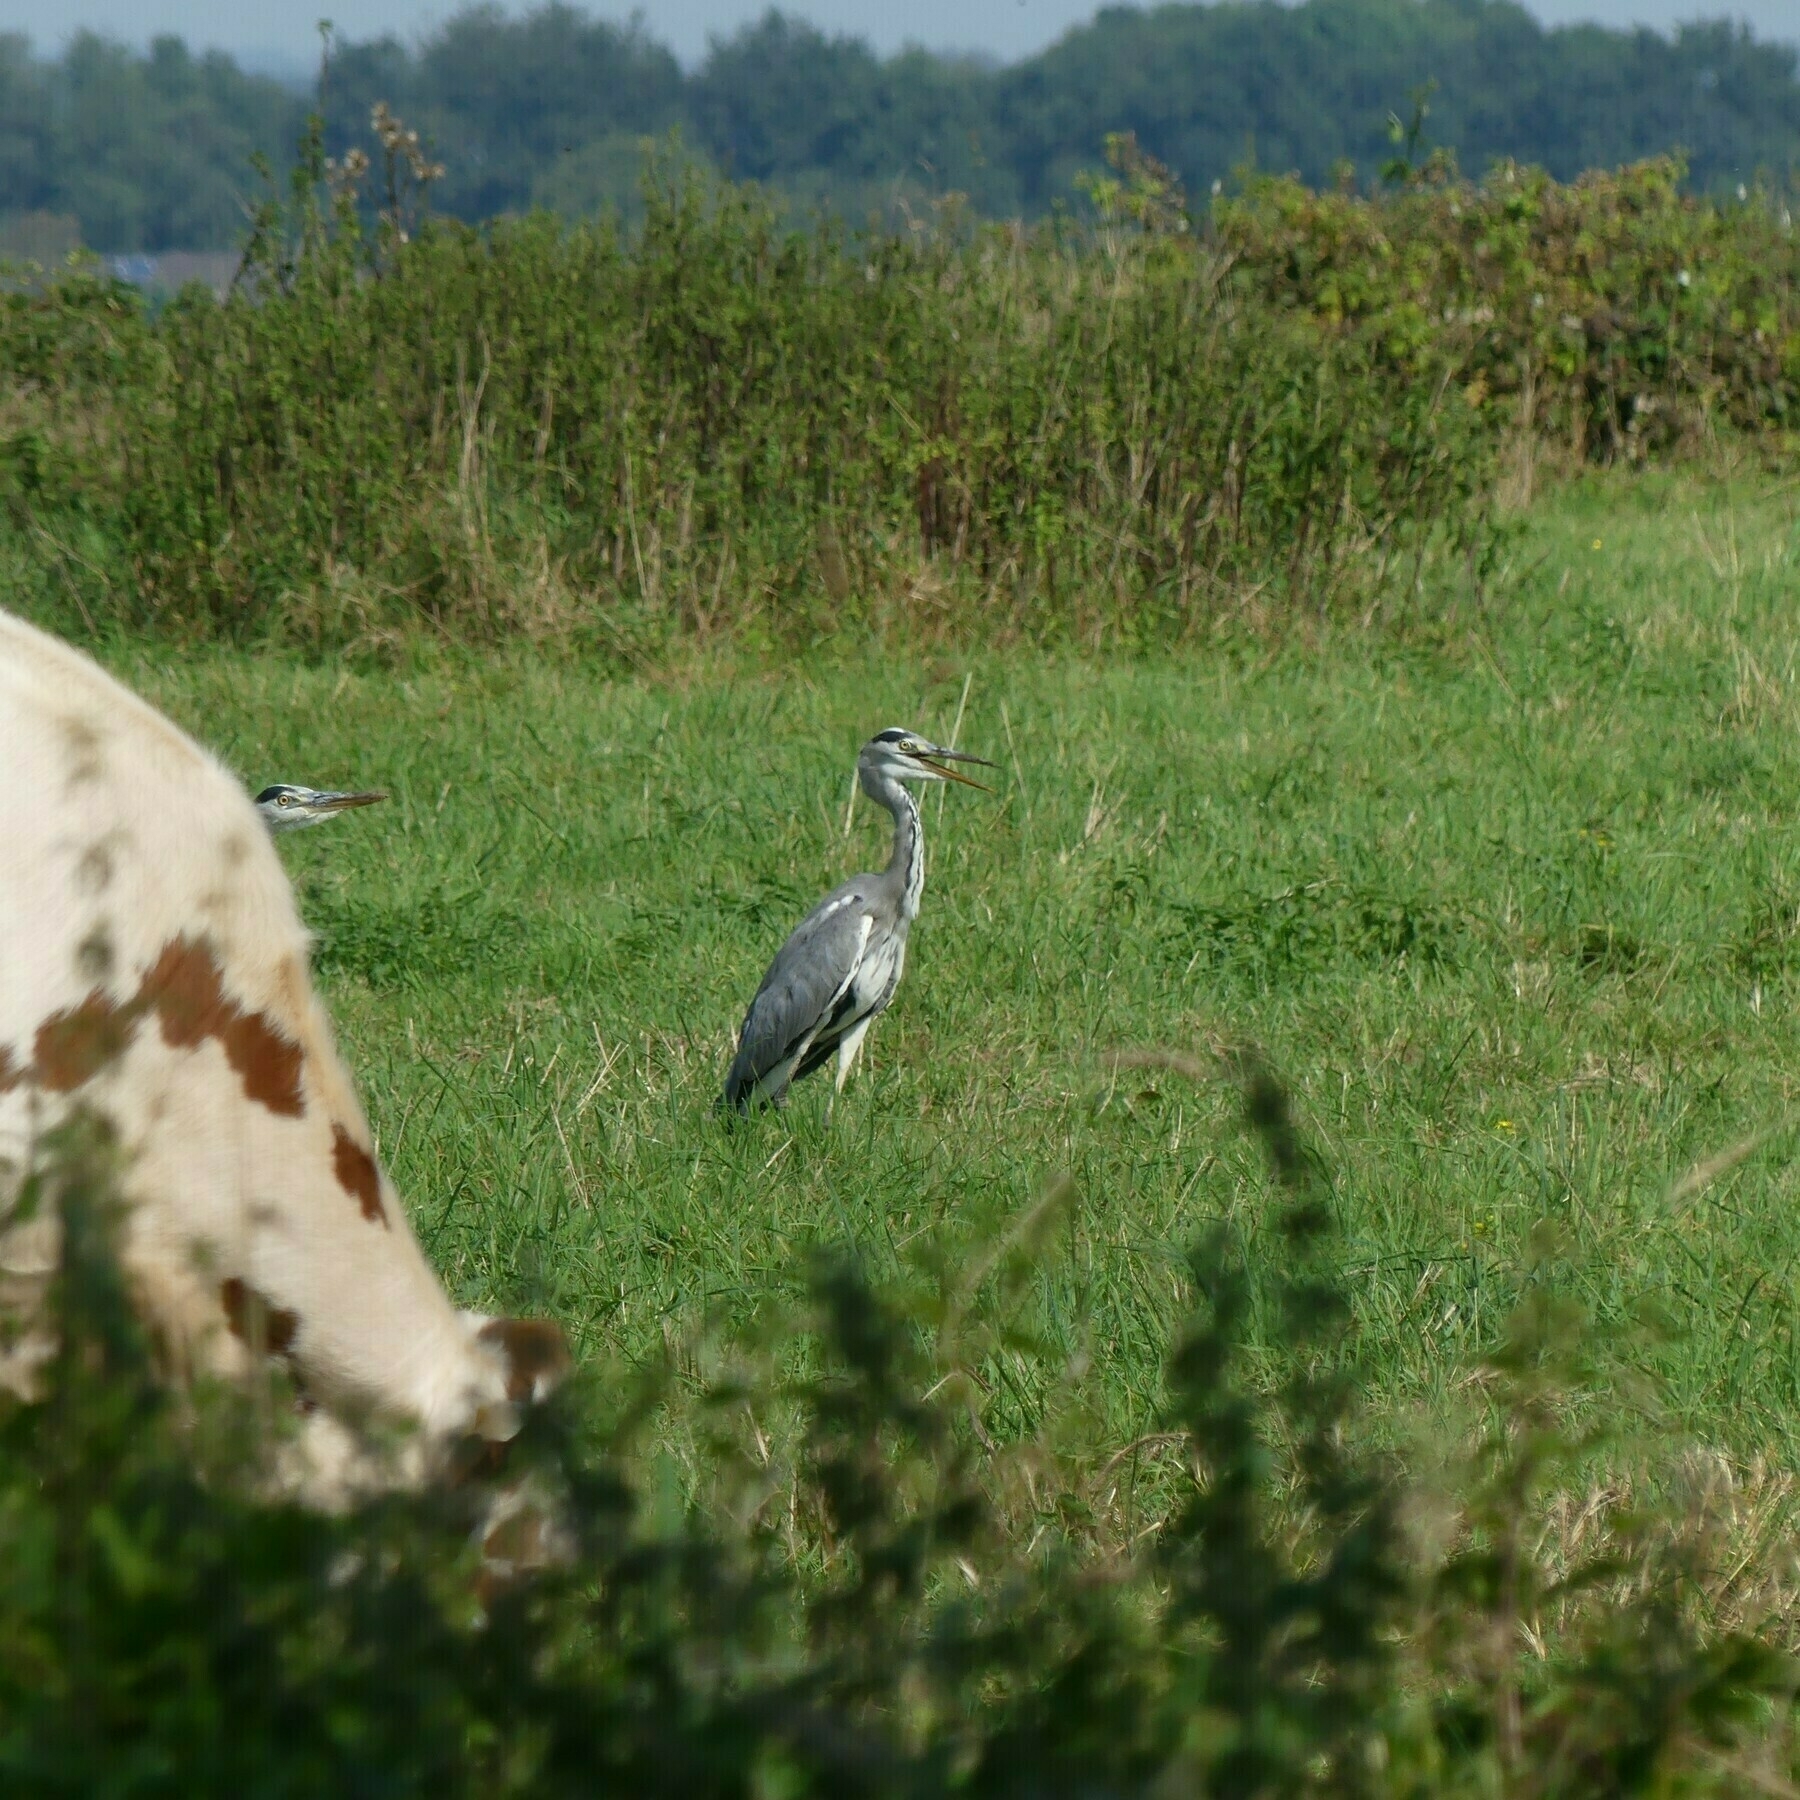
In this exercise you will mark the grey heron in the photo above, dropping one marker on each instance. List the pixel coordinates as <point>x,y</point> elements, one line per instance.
<point>835,976</point>
<point>286,808</point>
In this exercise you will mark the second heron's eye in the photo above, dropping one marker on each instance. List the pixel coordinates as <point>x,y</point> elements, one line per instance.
<point>285,800</point>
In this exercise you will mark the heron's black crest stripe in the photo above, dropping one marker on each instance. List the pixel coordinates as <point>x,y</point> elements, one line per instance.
<point>893,735</point>
<point>271,793</point>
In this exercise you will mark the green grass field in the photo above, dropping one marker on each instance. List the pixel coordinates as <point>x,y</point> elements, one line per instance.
<point>1512,904</point>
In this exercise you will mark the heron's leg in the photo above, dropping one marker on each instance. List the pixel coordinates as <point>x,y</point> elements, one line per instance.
<point>848,1045</point>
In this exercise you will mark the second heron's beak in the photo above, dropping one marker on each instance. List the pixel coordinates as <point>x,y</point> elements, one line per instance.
<point>936,755</point>
<point>332,803</point>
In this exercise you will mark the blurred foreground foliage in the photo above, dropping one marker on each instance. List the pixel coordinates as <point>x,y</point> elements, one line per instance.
<point>857,1593</point>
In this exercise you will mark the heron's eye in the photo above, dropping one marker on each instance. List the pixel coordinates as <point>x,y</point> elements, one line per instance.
<point>284,800</point>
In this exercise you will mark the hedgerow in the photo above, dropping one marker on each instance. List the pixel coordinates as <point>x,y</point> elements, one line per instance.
<point>722,424</point>
<point>1287,405</point>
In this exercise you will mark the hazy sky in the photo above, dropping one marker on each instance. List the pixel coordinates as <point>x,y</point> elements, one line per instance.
<point>280,33</point>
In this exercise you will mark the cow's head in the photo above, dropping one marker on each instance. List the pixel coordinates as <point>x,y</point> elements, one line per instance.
<point>521,1526</point>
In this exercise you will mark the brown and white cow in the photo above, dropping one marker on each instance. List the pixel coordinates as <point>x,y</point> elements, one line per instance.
<point>153,970</point>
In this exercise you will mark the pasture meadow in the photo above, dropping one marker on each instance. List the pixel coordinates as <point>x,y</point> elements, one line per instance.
<point>1023,1424</point>
<point>1511,906</point>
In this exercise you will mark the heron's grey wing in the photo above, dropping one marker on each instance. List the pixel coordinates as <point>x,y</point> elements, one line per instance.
<point>811,976</point>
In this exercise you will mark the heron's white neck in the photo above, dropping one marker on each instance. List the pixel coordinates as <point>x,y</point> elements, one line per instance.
<point>908,860</point>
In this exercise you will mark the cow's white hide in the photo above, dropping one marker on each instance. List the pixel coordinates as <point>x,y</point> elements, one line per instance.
<point>153,969</point>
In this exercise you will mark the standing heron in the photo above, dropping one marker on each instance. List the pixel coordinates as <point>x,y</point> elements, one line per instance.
<point>286,808</point>
<point>837,973</point>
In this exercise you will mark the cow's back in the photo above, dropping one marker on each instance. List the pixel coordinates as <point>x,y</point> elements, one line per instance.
<point>113,822</point>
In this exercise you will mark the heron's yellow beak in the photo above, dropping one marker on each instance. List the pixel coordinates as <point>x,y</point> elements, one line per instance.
<point>935,757</point>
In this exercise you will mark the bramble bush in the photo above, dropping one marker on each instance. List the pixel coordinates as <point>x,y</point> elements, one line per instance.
<point>1616,315</point>
<point>859,1593</point>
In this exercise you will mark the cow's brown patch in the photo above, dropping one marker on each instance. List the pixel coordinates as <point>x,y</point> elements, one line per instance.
<point>189,996</point>
<point>254,1321</point>
<point>522,1539</point>
<point>185,991</point>
<point>75,1044</point>
<point>357,1174</point>
<point>477,1458</point>
<point>536,1352</point>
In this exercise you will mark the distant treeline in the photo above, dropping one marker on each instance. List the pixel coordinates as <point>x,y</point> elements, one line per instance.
<point>153,151</point>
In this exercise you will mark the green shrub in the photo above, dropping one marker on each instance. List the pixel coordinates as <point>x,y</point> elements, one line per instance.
<point>1616,315</point>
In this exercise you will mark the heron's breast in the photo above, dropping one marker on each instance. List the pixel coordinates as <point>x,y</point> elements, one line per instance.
<point>880,973</point>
